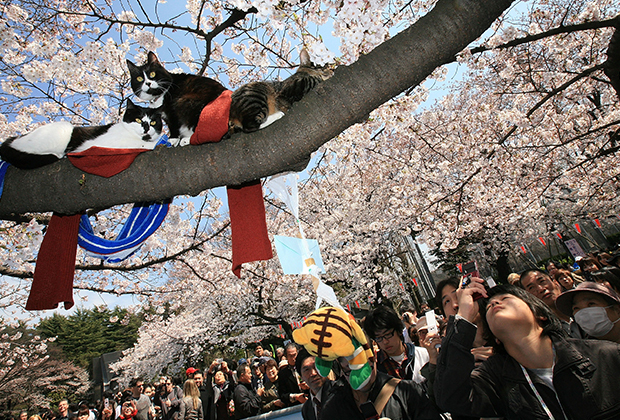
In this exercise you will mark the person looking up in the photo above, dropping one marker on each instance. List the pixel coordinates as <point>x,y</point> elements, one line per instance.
<point>535,371</point>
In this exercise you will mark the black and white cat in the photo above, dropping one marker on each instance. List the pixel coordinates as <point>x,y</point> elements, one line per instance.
<point>139,129</point>
<point>182,96</point>
<point>258,104</point>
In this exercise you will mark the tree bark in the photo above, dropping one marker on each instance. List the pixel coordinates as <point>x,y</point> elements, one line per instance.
<point>345,99</point>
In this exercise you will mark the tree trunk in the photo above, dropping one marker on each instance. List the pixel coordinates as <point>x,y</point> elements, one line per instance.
<point>347,98</point>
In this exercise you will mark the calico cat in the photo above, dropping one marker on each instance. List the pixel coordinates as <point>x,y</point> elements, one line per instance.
<point>139,129</point>
<point>182,96</point>
<point>258,104</point>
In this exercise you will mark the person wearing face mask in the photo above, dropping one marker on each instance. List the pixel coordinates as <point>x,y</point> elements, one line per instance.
<point>595,307</point>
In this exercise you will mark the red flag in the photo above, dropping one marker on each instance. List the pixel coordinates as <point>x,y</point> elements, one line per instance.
<point>578,227</point>
<point>357,304</point>
<point>348,308</point>
<point>460,267</point>
<point>523,249</point>
<point>280,327</point>
<point>559,235</point>
<point>415,282</point>
<point>598,222</point>
<point>542,240</point>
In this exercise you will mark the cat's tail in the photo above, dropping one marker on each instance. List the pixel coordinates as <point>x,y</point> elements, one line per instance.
<point>24,160</point>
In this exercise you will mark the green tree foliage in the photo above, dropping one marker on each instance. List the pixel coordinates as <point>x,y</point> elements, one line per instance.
<point>92,332</point>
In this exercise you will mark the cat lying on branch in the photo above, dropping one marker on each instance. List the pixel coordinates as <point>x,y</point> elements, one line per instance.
<point>139,129</point>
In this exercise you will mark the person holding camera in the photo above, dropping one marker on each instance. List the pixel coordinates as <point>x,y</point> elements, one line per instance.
<point>535,372</point>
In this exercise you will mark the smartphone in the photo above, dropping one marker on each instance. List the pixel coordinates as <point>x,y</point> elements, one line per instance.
<point>106,403</point>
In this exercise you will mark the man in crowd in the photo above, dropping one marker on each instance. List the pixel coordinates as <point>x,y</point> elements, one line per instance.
<point>206,394</point>
<point>539,284</point>
<point>171,401</point>
<point>143,403</point>
<point>395,357</point>
<point>319,386</point>
<point>290,391</point>
<point>247,401</point>
<point>63,410</point>
<point>405,399</point>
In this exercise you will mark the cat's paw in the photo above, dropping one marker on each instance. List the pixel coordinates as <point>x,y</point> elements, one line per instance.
<point>184,141</point>
<point>272,118</point>
<point>174,141</point>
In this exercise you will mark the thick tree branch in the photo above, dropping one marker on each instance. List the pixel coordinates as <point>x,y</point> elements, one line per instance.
<point>347,98</point>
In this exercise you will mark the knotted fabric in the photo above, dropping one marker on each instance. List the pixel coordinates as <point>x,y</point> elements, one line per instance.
<point>250,240</point>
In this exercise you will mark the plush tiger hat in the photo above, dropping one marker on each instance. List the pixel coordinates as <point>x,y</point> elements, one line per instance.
<point>329,333</point>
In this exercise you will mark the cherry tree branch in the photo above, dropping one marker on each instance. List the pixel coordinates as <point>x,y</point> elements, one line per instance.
<point>347,98</point>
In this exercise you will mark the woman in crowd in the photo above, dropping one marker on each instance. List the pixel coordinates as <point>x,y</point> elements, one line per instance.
<point>128,408</point>
<point>271,398</point>
<point>567,278</point>
<point>191,405</point>
<point>535,372</point>
<point>222,395</point>
<point>588,265</point>
<point>595,307</point>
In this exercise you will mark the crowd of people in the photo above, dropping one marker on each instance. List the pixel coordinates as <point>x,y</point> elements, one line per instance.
<point>544,346</point>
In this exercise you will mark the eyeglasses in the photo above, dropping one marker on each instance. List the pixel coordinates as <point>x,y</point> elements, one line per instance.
<point>385,336</point>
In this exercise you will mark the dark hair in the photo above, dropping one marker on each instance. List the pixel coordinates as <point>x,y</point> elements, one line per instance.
<point>242,368</point>
<point>452,281</point>
<point>589,260</point>
<point>530,271</point>
<point>126,396</point>
<point>610,274</point>
<point>135,381</point>
<point>383,318</point>
<point>83,410</point>
<point>271,363</point>
<point>549,322</point>
<point>301,356</point>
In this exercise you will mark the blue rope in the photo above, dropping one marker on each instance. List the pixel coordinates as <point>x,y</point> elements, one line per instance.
<point>142,222</point>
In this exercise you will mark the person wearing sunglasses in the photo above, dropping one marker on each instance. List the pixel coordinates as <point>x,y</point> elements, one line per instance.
<point>395,357</point>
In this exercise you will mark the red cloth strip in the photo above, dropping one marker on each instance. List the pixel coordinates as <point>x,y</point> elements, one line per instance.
<point>53,274</point>
<point>250,241</point>
<point>213,122</point>
<point>103,161</point>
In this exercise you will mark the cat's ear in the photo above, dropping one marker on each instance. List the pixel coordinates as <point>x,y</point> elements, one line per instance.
<point>130,105</point>
<point>131,66</point>
<point>304,58</point>
<point>152,58</point>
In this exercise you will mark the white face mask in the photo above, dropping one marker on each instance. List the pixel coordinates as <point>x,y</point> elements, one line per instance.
<point>594,320</point>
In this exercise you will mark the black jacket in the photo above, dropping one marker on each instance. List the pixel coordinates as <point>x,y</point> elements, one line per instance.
<point>408,402</point>
<point>307,410</point>
<point>247,402</point>
<point>585,378</point>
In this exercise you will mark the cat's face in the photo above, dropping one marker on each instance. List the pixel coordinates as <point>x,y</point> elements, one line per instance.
<point>150,80</point>
<point>308,67</point>
<point>145,122</point>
